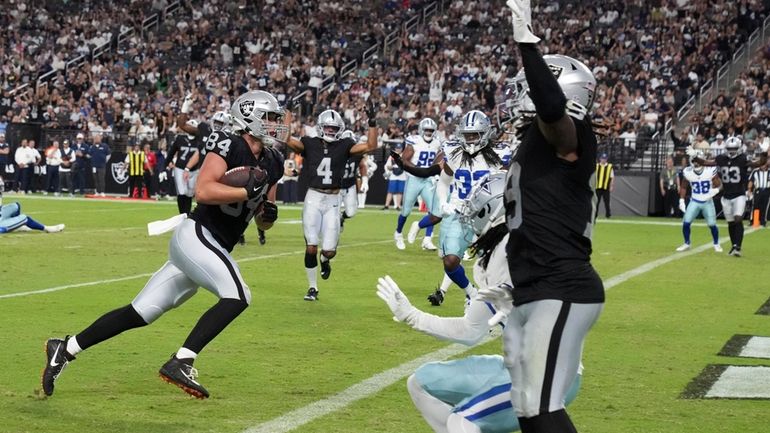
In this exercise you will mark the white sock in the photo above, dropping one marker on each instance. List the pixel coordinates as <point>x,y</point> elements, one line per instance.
<point>312,276</point>
<point>185,353</point>
<point>324,258</point>
<point>432,409</point>
<point>73,348</point>
<point>445,283</point>
<point>470,291</point>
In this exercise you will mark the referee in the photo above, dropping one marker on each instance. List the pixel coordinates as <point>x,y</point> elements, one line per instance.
<point>605,183</point>
<point>759,188</point>
<point>135,160</point>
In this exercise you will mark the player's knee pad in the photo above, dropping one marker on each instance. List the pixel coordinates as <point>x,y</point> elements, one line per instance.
<point>329,254</point>
<point>311,260</point>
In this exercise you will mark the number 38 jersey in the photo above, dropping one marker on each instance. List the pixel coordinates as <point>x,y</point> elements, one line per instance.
<point>228,221</point>
<point>325,162</point>
<point>734,174</point>
<point>700,183</point>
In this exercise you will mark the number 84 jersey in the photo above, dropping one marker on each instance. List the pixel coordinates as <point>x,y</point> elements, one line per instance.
<point>228,221</point>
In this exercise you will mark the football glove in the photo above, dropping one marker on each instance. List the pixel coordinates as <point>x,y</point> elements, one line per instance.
<point>713,192</point>
<point>371,113</point>
<point>254,187</point>
<point>448,209</point>
<point>269,212</point>
<point>501,299</point>
<point>690,151</point>
<point>682,206</point>
<point>399,304</point>
<point>764,145</point>
<point>187,103</point>
<point>521,13</point>
<point>397,158</point>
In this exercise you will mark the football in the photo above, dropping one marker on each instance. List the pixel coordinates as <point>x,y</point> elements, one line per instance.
<point>239,176</point>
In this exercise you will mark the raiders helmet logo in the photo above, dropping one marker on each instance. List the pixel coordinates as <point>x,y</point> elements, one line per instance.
<point>120,172</point>
<point>246,107</point>
<point>556,70</point>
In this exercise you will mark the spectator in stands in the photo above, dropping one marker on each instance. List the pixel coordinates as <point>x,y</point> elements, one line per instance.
<point>717,147</point>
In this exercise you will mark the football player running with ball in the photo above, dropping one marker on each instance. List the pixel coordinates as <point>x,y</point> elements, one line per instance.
<point>199,250</point>
<point>325,158</point>
<point>549,201</point>
<point>733,167</point>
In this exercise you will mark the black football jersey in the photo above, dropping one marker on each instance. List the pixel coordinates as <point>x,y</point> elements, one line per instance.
<point>183,148</point>
<point>227,222</point>
<point>549,205</point>
<point>351,171</point>
<point>325,162</point>
<point>204,132</point>
<point>734,173</point>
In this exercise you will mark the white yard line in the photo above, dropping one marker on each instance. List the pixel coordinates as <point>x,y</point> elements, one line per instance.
<point>366,388</point>
<point>133,277</point>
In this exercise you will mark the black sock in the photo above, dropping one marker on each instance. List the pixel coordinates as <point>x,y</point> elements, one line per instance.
<point>739,233</point>
<point>552,422</point>
<point>188,204</point>
<point>180,203</point>
<point>731,230</point>
<point>110,325</point>
<point>311,261</point>
<point>213,322</point>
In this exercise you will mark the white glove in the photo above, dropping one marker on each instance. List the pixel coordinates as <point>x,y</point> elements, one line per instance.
<point>682,206</point>
<point>162,176</point>
<point>364,184</point>
<point>764,145</point>
<point>388,291</point>
<point>521,13</point>
<point>448,209</point>
<point>690,151</point>
<point>713,192</point>
<point>187,104</point>
<point>501,298</point>
<point>749,195</point>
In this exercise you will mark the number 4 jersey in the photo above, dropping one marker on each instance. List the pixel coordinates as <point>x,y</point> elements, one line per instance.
<point>325,162</point>
<point>700,183</point>
<point>228,221</point>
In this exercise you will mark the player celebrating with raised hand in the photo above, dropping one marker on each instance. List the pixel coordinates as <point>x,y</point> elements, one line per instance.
<point>325,157</point>
<point>733,167</point>
<point>466,163</point>
<point>183,158</point>
<point>420,150</point>
<point>705,185</point>
<point>199,250</point>
<point>470,394</point>
<point>355,169</point>
<point>549,201</point>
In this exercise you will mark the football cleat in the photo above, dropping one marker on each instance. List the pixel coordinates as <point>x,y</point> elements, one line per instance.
<point>427,244</point>
<point>414,229</point>
<point>56,359</point>
<point>182,374</point>
<point>54,229</point>
<point>436,298</point>
<point>732,251</point>
<point>399,241</point>
<point>242,240</point>
<point>737,252</point>
<point>326,269</point>
<point>312,294</point>
<point>342,224</point>
<point>717,248</point>
<point>262,239</point>
<point>683,247</point>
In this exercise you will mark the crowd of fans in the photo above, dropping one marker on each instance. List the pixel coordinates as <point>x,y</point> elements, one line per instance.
<point>648,57</point>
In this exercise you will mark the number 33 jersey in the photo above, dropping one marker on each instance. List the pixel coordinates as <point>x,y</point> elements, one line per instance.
<point>700,183</point>
<point>228,221</point>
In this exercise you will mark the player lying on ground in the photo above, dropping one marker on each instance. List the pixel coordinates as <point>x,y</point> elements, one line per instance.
<point>12,219</point>
<point>470,394</point>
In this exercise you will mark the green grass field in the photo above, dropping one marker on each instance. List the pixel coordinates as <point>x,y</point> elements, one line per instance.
<point>658,331</point>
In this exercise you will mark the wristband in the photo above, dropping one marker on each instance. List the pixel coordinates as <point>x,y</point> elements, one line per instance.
<point>187,169</point>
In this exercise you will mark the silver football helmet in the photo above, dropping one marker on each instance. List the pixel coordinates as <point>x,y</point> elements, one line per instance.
<point>733,146</point>
<point>426,129</point>
<point>485,207</point>
<point>576,80</point>
<point>474,131</point>
<point>220,121</point>
<point>258,114</point>
<point>330,126</point>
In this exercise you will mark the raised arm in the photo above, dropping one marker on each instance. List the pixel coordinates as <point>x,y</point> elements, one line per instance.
<point>294,143</point>
<point>183,117</point>
<point>371,136</point>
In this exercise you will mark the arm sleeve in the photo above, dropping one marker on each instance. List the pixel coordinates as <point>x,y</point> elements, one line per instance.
<point>422,171</point>
<point>550,102</point>
<point>468,330</point>
<point>442,187</point>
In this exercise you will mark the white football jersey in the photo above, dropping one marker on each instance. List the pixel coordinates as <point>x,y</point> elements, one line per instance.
<point>467,173</point>
<point>700,183</point>
<point>424,152</point>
